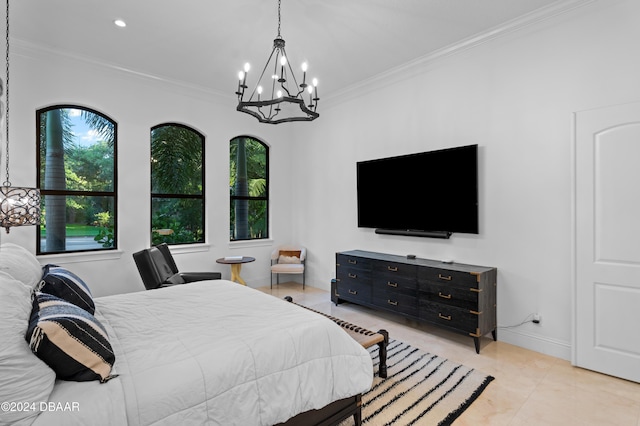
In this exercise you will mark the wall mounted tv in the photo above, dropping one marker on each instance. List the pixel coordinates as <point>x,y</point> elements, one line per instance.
<point>429,194</point>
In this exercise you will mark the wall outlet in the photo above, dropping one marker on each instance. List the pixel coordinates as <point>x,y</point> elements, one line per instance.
<point>536,318</point>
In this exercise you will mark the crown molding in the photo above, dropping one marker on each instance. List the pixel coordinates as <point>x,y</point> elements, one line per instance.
<point>418,65</point>
<point>32,50</point>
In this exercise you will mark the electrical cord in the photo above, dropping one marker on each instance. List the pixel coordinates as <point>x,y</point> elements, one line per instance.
<point>529,318</point>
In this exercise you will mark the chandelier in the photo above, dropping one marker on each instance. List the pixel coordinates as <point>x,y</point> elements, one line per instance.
<point>18,206</point>
<point>284,99</point>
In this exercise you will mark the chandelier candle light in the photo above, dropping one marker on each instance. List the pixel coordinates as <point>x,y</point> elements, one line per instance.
<point>286,100</point>
<point>18,206</point>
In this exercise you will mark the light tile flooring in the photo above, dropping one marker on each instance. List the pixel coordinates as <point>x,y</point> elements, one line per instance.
<point>529,388</point>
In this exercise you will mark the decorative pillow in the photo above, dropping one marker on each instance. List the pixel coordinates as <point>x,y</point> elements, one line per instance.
<point>290,253</point>
<point>69,339</point>
<point>67,286</point>
<point>175,279</point>
<point>23,376</point>
<point>21,264</point>
<point>288,259</point>
<point>289,256</point>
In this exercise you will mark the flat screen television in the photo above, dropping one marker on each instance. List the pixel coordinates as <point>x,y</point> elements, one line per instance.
<point>432,193</point>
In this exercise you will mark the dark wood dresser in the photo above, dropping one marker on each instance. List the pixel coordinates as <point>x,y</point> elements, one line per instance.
<point>460,297</point>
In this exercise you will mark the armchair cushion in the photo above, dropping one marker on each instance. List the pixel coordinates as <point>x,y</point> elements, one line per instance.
<point>190,277</point>
<point>287,268</point>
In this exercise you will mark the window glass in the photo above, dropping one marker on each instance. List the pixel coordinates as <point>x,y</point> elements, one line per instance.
<point>77,178</point>
<point>249,189</point>
<point>177,185</point>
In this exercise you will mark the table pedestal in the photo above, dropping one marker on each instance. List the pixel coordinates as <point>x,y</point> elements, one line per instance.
<point>236,266</point>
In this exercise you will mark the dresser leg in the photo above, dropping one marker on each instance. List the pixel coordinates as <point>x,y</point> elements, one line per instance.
<point>494,333</point>
<point>476,341</point>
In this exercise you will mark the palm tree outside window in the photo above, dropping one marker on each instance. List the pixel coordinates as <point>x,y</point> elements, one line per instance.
<point>249,189</point>
<point>77,176</point>
<point>177,185</point>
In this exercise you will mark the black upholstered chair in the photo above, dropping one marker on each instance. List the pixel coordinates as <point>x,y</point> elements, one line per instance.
<point>158,269</point>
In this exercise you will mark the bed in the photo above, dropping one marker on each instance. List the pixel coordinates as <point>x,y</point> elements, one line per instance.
<point>211,352</point>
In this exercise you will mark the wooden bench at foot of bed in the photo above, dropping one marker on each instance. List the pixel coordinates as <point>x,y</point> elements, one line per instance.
<point>364,337</point>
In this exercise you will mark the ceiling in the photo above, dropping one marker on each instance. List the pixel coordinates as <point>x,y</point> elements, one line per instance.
<point>204,43</point>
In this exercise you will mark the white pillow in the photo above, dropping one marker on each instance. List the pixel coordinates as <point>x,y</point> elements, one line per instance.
<point>23,376</point>
<point>288,259</point>
<point>18,262</point>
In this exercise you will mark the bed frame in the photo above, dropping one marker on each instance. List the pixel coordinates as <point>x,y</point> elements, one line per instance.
<point>330,415</point>
<point>337,411</point>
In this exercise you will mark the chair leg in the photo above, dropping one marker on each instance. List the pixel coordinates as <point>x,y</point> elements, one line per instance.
<point>272,280</point>
<point>303,279</point>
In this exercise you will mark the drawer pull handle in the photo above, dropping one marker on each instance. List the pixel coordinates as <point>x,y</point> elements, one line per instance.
<point>392,268</point>
<point>444,317</point>
<point>476,290</point>
<point>353,262</point>
<point>444,296</point>
<point>390,284</point>
<point>443,277</point>
<point>354,292</point>
<point>353,275</point>
<point>392,303</point>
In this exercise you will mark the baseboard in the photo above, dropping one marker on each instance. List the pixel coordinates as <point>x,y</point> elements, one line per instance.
<point>554,347</point>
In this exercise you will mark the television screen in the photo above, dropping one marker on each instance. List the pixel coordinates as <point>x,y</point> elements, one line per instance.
<point>428,191</point>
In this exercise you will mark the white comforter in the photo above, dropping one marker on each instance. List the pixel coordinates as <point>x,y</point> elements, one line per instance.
<point>213,353</point>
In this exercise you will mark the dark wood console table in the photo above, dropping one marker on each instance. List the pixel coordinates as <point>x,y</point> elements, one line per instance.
<point>456,296</point>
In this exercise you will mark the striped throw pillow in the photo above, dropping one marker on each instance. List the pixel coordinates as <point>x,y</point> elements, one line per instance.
<point>69,339</point>
<point>66,285</point>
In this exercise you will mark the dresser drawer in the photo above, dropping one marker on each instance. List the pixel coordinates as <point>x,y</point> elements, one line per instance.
<point>450,316</point>
<point>353,290</point>
<point>464,297</point>
<point>396,302</point>
<point>346,274</point>
<point>390,282</point>
<point>395,269</point>
<point>352,262</point>
<point>448,277</point>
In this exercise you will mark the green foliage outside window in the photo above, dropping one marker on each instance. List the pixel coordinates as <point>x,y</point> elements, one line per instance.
<point>76,175</point>
<point>177,185</point>
<point>249,188</point>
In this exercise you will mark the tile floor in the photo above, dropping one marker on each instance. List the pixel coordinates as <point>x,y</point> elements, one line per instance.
<point>529,388</point>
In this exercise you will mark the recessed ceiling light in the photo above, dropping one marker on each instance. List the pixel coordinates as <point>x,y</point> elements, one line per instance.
<point>120,23</point>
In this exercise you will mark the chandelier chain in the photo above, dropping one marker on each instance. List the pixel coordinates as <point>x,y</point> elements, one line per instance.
<point>279,18</point>
<point>6,88</point>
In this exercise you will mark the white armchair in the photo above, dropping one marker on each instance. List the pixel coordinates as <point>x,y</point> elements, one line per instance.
<point>288,260</point>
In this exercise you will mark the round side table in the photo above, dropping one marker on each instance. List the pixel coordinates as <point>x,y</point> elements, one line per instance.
<point>236,266</point>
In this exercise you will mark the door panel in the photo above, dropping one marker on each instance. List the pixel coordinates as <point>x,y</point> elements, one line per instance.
<point>607,241</point>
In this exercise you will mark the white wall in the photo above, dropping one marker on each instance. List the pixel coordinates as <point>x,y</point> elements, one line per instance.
<point>514,96</point>
<point>40,78</point>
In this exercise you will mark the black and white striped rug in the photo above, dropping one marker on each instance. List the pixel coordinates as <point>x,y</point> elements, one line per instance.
<point>421,389</point>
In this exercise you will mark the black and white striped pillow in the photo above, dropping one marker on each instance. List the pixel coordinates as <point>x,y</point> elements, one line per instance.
<point>69,339</point>
<point>66,285</point>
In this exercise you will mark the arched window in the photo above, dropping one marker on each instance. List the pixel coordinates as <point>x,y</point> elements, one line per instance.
<point>177,185</point>
<point>249,187</point>
<point>77,175</point>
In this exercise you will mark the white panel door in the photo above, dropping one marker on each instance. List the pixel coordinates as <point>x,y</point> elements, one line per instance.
<point>607,241</point>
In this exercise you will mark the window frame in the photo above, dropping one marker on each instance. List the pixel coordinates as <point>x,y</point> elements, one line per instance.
<point>265,198</point>
<point>44,192</point>
<point>201,196</point>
